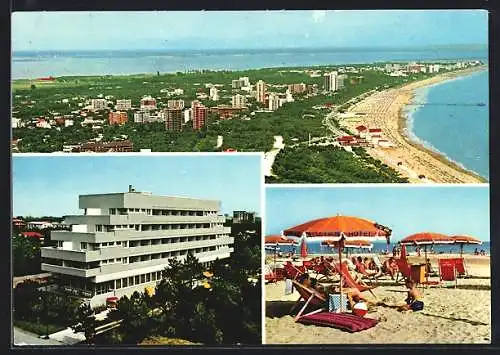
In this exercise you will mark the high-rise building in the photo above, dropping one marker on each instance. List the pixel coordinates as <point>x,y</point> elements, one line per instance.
<point>123,105</point>
<point>174,119</point>
<point>274,101</point>
<point>123,242</point>
<point>175,104</point>
<point>188,115</point>
<point>214,93</point>
<point>118,117</point>
<point>199,113</point>
<point>148,103</point>
<point>99,104</point>
<point>331,81</point>
<point>340,81</point>
<point>238,101</point>
<point>261,89</point>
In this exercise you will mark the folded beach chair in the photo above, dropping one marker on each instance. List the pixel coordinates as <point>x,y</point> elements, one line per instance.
<point>349,281</point>
<point>447,271</point>
<point>312,298</point>
<point>344,321</point>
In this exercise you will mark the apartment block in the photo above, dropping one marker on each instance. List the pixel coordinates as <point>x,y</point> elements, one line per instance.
<point>118,117</point>
<point>331,81</point>
<point>123,241</point>
<point>238,101</point>
<point>99,104</point>
<point>148,103</point>
<point>200,113</point>
<point>175,104</point>
<point>261,89</point>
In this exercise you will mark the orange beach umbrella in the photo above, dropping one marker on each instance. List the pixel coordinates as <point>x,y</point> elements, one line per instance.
<point>338,229</point>
<point>465,239</point>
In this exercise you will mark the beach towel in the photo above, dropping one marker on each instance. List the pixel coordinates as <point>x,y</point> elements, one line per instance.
<point>288,287</point>
<point>334,303</point>
<point>343,321</point>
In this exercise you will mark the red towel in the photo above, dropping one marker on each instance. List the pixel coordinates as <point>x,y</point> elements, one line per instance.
<point>344,321</point>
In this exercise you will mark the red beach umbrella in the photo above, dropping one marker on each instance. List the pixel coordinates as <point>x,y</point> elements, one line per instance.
<point>465,239</point>
<point>274,241</point>
<point>338,229</point>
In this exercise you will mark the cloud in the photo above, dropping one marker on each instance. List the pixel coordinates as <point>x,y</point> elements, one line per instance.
<point>318,16</point>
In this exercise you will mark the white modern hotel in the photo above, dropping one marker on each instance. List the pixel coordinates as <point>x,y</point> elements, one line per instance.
<point>123,241</point>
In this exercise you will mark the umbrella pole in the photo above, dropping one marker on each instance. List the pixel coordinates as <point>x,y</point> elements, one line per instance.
<point>340,265</point>
<point>461,251</point>
<point>275,251</point>
<point>426,273</point>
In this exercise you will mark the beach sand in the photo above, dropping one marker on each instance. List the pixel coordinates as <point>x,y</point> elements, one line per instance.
<point>450,315</point>
<point>410,158</point>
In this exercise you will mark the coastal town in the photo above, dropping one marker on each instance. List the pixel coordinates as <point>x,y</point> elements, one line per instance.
<point>193,108</point>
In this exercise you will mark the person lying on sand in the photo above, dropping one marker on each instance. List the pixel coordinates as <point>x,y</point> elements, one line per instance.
<point>353,295</point>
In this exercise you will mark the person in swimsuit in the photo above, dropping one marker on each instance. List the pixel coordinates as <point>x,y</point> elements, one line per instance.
<point>414,301</point>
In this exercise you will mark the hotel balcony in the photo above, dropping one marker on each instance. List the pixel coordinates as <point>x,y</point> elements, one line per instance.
<point>140,218</point>
<point>132,234</point>
<point>120,251</point>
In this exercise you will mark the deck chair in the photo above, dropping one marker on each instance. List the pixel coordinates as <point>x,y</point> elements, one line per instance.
<point>349,281</point>
<point>360,268</point>
<point>460,267</point>
<point>270,275</point>
<point>307,264</point>
<point>447,271</point>
<point>311,298</point>
<point>292,272</point>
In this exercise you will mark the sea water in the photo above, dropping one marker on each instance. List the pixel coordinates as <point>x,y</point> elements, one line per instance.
<point>30,64</point>
<point>453,120</point>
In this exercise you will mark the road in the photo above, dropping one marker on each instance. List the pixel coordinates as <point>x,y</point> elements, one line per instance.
<point>24,338</point>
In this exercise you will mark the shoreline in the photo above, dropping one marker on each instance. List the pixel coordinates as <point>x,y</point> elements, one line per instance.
<point>404,131</point>
<point>411,158</point>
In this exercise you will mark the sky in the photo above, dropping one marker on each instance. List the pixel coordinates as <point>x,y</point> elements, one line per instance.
<point>246,29</point>
<point>451,210</point>
<point>50,185</point>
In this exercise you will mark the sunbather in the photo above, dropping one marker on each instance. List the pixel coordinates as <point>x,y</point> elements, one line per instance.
<point>428,268</point>
<point>390,267</point>
<point>353,295</point>
<point>361,268</point>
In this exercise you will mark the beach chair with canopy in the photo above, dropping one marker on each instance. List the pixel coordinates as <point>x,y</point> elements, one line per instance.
<point>447,271</point>
<point>311,298</point>
<point>460,267</point>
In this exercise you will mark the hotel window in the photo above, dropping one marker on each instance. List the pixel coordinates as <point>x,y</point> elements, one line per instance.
<point>125,282</point>
<point>153,276</point>
<point>59,243</point>
<point>148,277</point>
<point>125,260</point>
<point>112,211</point>
<point>104,262</point>
<point>119,283</point>
<point>143,279</point>
<point>103,245</point>
<point>158,275</point>
<point>137,280</point>
<point>118,243</point>
<point>98,227</point>
<point>83,245</point>
<point>131,281</point>
<point>118,260</point>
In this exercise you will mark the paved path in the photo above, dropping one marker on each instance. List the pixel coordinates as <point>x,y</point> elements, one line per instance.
<point>271,155</point>
<point>25,338</point>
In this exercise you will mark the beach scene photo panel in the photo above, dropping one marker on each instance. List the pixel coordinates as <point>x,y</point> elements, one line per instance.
<point>379,96</point>
<point>377,265</point>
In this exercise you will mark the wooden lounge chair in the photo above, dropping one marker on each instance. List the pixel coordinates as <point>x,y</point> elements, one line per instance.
<point>350,282</point>
<point>447,271</point>
<point>311,298</point>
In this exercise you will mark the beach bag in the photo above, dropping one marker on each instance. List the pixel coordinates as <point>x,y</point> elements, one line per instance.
<point>288,287</point>
<point>334,303</point>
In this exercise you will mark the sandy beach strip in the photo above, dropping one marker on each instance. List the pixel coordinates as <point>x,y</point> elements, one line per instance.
<point>411,159</point>
<point>450,315</point>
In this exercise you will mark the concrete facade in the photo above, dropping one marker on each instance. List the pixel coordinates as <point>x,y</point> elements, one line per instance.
<point>123,241</point>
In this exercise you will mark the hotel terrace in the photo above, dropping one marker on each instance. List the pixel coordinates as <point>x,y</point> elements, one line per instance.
<point>123,241</point>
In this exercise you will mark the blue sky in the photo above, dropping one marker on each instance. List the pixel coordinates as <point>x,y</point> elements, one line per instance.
<point>49,185</point>
<point>246,29</point>
<point>407,210</point>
